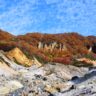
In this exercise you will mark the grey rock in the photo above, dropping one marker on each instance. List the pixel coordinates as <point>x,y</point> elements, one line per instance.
<point>48,80</point>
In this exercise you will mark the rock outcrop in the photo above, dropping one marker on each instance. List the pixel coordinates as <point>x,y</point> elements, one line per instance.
<point>5,66</point>
<point>19,57</point>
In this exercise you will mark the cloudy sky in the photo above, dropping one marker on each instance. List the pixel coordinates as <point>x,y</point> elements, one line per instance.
<point>48,16</point>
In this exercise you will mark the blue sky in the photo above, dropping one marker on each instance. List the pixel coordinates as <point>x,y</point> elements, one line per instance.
<point>48,16</point>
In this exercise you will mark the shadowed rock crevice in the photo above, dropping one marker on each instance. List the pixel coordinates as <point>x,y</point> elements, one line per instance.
<point>84,78</point>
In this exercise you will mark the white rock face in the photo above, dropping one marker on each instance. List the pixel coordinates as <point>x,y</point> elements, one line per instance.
<point>6,70</point>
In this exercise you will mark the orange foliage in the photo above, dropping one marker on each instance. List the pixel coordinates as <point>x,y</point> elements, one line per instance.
<point>75,43</point>
<point>64,60</point>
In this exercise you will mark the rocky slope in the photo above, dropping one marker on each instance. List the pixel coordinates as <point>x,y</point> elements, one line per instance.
<point>51,79</point>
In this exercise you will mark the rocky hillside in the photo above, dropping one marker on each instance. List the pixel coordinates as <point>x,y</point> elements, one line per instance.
<point>61,48</point>
<point>51,79</point>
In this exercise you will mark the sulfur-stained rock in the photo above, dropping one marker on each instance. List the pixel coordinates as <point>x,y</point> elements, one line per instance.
<point>18,56</point>
<point>50,89</point>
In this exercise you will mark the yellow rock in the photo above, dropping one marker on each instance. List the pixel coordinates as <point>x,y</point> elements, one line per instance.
<point>50,89</point>
<point>18,56</point>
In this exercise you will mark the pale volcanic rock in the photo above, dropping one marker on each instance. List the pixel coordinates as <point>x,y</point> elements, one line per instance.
<point>6,70</point>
